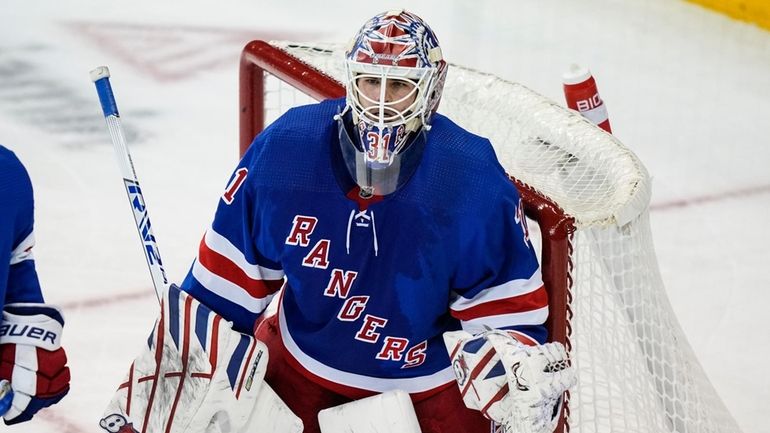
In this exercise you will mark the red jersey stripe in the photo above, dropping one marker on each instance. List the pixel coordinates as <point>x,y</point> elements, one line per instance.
<point>517,304</point>
<point>225,268</point>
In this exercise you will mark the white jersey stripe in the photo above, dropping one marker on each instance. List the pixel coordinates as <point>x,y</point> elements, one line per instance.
<point>223,246</point>
<point>534,317</point>
<point>225,289</point>
<point>411,385</point>
<point>23,251</point>
<point>509,289</point>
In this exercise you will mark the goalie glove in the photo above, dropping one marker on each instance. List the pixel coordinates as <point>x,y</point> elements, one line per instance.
<point>32,359</point>
<point>518,386</point>
<point>195,375</point>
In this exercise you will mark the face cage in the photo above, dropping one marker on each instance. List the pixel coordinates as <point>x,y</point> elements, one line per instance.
<point>382,114</point>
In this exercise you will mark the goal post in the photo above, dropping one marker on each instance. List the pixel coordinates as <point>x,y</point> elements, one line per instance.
<point>589,195</point>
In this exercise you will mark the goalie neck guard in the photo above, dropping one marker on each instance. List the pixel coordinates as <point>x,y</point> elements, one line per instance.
<point>394,77</point>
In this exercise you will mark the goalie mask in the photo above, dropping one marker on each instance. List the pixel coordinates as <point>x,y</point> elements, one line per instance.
<point>394,77</point>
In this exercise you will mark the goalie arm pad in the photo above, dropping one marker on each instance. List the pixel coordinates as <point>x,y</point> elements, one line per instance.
<point>513,384</point>
<point>195,375</point>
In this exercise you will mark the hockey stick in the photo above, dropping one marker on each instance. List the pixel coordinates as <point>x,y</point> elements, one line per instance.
<point>101,78</point>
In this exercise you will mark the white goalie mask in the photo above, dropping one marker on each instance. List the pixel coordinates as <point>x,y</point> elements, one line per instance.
<point>395,73</point>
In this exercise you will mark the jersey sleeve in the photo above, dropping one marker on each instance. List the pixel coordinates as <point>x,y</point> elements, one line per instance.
<point>230,275</point>
<point>18,277</point>
<point>499,284</point>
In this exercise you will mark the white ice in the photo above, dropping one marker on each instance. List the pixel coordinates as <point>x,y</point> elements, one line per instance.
<point>687,89</point>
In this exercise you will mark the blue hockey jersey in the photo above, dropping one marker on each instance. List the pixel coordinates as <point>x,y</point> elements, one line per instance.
<point>370,285</point>
<point>18,278</point>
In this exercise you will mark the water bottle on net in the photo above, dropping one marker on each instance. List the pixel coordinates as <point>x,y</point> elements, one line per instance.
<point>582,96</point>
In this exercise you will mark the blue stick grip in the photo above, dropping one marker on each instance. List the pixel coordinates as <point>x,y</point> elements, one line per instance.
<point>107,99</point>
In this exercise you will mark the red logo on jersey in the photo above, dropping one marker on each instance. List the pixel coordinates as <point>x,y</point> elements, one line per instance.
<point>392,348</point>
<point>416,355</point>
<point>301,228</point>
<point>352,308</point>
<point>318,257</point>
<point>368,331</point>
<point>339,283</point>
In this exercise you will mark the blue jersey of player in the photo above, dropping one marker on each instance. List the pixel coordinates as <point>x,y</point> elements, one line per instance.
<point>18,279</point>
<point>370,284</point>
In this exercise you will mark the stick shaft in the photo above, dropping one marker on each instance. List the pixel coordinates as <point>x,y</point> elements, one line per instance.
<point>101,78</point>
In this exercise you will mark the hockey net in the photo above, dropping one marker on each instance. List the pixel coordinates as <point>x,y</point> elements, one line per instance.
<point>589,195</point>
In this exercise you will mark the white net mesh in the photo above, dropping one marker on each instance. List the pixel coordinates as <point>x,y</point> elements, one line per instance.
<point>636,370</point>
